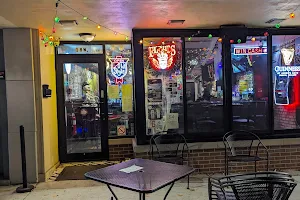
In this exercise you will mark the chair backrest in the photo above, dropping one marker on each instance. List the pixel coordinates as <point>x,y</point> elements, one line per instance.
<point>240,142</point>
<point>167,143</point>
<point>253,186</point>
<point>266,189</point>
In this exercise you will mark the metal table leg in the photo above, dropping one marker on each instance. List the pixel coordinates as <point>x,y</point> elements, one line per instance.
<point>116,198</point>
<point>169,190</point>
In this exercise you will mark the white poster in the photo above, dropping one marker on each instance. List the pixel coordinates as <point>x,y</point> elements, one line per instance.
<point>172,121</point>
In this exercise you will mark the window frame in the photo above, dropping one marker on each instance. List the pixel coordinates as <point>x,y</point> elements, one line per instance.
<point>139,89</point>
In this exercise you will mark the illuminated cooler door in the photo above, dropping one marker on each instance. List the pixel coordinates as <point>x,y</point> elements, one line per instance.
<point>82,107</point>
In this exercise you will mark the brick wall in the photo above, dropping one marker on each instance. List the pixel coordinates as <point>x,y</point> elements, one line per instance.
<point>284,117</point>
<point>211,161</point>
<point>120,152</point>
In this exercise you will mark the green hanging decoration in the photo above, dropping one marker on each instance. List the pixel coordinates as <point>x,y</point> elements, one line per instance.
<point>56,19</point>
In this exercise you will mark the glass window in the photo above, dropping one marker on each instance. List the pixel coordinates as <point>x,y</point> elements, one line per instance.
<point>286,81</point>
<point>83,124</point>
<point>249,84</point>
<point>79,49</point>
<point>163,85</point>
<point>204,85</point>
<point>119,89</point>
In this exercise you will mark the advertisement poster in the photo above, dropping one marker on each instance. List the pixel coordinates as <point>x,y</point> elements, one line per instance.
<point>172,121</point>
<point>154,90</point>
<point>126,98</point>
<point>155,112</point>
<point>113,92</point>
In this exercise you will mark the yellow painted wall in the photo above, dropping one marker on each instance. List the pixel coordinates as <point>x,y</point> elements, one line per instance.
<point>50,129</point>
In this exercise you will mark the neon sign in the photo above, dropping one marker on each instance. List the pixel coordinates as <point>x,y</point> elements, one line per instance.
<point>119,68</point>
<point>287,70</point>
<point>162,57</point>
<point>250,51</point>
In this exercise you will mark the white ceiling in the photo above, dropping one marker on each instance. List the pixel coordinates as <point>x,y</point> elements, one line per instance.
<point>123,15</point>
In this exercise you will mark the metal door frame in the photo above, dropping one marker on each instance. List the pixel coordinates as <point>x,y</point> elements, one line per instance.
<point>63,155</point>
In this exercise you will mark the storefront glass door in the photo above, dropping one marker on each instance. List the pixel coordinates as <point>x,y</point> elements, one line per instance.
<point>83,135</point>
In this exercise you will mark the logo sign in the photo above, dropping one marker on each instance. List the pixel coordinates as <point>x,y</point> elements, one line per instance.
<point>288,55</point>
<point>119,68</point>
<point>162,57</point>
<point>2,75</point>
<point>287,70</point>
<point>250,51</point>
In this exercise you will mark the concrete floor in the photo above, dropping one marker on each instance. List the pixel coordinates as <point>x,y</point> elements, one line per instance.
<point>91,190</point>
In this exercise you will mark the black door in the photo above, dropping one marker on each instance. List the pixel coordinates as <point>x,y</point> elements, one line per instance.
<point>82,107</point>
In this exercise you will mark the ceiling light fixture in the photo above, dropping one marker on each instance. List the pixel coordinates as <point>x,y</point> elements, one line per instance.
<point>87,37</point>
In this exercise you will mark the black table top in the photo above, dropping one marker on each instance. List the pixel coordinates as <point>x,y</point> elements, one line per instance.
<point>154,175</point>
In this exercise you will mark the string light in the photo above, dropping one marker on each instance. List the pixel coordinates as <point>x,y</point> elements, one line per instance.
<point>190,38</point>
<point>239,40</point>
<point>292,15</point>
<point>51,37</point>
<point>220,39</point>
<point>231,41</point>
<point>163,43</point>
<point>253,39</point>
<point>266,34</point>
<point>53,30</point>
<point>141,41</point>
<point>126,38</point>
<point>56,19</point>
<point>210,36</point>
<point>87,18</point>
<point>277,25</point>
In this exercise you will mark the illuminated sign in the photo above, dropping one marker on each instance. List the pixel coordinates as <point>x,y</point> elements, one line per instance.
<point>287,70</point>
<point>119,68</point>
<point>288,55</point>
<point>162,57</point>
<point>250,51</point>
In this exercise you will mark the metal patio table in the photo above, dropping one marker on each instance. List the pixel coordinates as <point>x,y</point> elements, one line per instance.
<point>154,176</point>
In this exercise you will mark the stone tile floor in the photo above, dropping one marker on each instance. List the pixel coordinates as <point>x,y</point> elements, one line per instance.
<point>91,190</point>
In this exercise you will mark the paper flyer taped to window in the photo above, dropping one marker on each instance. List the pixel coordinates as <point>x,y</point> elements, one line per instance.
<point>113,92</point>
<point>126,97</point>
<point>131,169</point>
<point>172,121</point>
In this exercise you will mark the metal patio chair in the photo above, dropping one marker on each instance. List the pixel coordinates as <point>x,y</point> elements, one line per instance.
<point>252,186</point>
<point>170,148</point>
<point>243,146</point>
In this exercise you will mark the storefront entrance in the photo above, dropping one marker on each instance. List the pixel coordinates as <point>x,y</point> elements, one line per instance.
<point>82,107</point>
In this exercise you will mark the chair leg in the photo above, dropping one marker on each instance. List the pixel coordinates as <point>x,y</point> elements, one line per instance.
<point>255,167</point>
<point>188,187</point>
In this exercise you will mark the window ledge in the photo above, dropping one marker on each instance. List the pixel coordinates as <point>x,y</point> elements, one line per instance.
<point>220,145</point>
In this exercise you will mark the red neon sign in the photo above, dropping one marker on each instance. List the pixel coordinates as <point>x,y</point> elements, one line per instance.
<point>162,57</point>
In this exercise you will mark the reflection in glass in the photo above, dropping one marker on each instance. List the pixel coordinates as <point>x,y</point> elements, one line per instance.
<point>204,86</point>
<point>163,85</point>
<point>286,81</point>
<point>120,89</point>
<point>249,84</point>
<point>81,86</point>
